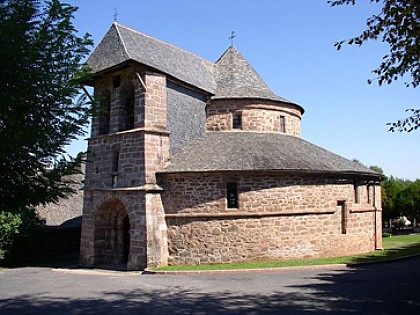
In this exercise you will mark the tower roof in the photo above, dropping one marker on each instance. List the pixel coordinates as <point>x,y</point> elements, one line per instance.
<point>121,44</point>
<point>230,77</point>
<point>235,78</point>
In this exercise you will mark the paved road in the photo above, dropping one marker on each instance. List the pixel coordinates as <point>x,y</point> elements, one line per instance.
<point>387,288</point>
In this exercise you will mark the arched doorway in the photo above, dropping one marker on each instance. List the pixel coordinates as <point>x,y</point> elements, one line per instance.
<point>112,233</point>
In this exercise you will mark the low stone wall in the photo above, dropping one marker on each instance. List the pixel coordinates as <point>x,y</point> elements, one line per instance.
<point>204,241</point>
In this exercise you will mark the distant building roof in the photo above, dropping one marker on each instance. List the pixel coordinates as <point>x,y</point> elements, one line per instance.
<point>230,77</point>
<point>252,151</point>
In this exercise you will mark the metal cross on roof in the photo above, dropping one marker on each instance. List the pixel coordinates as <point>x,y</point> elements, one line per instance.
<point>115,15</point>
<point>231,37</point>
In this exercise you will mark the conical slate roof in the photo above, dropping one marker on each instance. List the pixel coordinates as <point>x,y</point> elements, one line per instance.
<point>230,77</point>
<point>254,151</point>
<point>235,78</point>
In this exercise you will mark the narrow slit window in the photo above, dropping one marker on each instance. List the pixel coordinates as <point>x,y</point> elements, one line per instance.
<point>371,194</point>
<point>356,193</point>
<point>115,161</point>
<point>232,195</point>
<point>283,124</point>
<point>237,120</point>
<point>115,166</point>
<point>343,214</point>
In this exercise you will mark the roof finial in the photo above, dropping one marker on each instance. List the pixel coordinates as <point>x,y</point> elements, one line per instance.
<point>231,37</point>
<point>115,14</point>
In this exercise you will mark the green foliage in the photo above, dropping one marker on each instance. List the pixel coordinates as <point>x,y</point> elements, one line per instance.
<point>408,124</point>
<point>377,169</point>
<point>398,25</point>
<point>400,197</point>
<point>20,230</point>
<point>9,228</point>
<point>41,58</point>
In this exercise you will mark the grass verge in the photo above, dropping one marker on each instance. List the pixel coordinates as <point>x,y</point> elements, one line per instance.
<point>394,247</point>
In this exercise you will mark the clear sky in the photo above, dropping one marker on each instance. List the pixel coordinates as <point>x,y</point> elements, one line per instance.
<point>291,45</point>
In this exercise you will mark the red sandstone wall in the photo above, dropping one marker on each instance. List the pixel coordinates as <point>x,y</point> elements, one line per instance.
<point>96,203</point>
<point>257,115</point>
<point>278,217</point>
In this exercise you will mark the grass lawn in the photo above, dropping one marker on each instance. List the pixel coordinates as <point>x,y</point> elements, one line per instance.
<point>395,246</point>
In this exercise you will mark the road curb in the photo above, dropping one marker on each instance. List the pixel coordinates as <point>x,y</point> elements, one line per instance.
<point>104,272</point>
<point>236,271</point>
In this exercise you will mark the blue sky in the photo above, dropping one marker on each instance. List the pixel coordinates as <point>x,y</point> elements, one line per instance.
<point>291,45</point>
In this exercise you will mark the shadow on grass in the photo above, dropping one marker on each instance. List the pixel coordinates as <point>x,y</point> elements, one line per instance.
<point>386,254</point>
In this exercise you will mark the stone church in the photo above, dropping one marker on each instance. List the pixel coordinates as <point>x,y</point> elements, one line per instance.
<point>195,162</point>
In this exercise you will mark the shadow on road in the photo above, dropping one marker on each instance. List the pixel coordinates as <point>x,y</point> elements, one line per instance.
<point>386,288</point>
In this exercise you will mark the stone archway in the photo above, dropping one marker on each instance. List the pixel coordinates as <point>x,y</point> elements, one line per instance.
<point>112,233</point>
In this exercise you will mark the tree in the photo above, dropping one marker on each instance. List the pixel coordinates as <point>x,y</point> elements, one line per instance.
<point>398,25</point>
<point>41,58</point>
<point>377,169</point>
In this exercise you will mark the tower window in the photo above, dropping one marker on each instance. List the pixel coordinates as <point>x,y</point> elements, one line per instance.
<point>104,113</point>
<point>129,111</point>
<point>232,195</point>
<point>116,81</point>
<point>236,120</point>
<point>283,124</point>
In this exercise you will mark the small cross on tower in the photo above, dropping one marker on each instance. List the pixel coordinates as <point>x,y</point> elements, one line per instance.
<point>231,37</point>
<point>115,15</point>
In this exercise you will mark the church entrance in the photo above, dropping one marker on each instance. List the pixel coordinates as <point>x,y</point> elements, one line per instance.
<point>112,233</point>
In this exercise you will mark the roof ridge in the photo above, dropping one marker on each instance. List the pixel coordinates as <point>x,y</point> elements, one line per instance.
<point>163,42</point>
<point>115,24</point>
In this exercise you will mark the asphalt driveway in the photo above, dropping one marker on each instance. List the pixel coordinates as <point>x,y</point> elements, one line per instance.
<point>386,288</point>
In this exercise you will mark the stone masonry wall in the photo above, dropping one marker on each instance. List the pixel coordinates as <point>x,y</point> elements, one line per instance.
<point>120,173</point>
<point>99,167</point>
<point>257,115</point>
<point>129,83</point>
<point>278,217</point>
<point>134,204</point>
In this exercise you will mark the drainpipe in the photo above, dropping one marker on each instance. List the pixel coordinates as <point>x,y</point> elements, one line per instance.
<point>375,212</point>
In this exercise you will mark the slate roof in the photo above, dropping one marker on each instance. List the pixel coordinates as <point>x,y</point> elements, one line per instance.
<point>230,77</point>
<point>122,44</point>
<point>235,78</point>
<point>253,151</point>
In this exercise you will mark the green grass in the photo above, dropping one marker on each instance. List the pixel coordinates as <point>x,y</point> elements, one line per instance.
<point>394,247</point>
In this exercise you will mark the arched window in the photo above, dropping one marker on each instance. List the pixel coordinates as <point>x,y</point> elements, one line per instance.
<point>127,103</point>
<point>104,112</point>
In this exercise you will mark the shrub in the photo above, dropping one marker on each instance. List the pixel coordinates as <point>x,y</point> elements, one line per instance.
<point>9,228</point>
<point>17,232</point>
